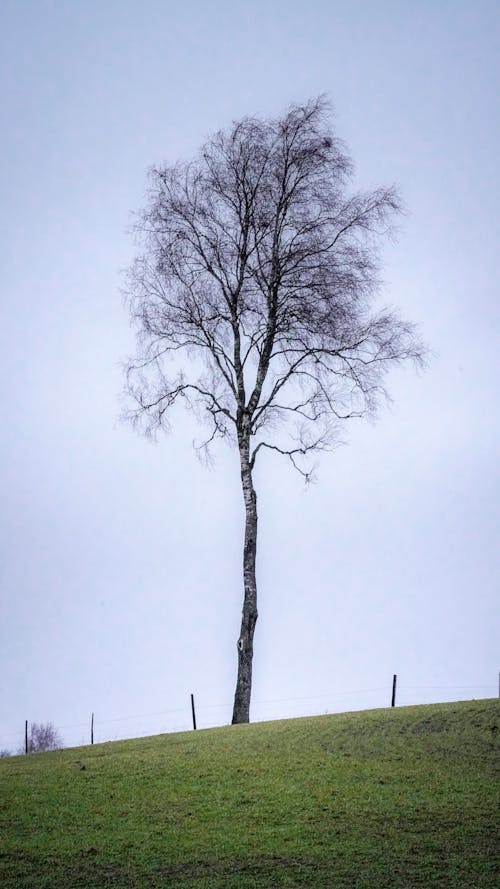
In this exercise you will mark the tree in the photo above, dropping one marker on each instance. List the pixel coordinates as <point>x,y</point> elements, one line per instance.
<point>43,736</point>
<point>258,270</point>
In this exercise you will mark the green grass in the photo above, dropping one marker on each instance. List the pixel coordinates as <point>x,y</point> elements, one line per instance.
<point>386,798</point>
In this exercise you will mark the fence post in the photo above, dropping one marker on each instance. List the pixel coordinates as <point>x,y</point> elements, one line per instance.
<point>92,729</point>
<point>193,712</point>
<point>393,700</point>
<point>26,736</point>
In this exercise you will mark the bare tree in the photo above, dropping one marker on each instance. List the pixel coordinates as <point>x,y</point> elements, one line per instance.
<point>43,736</point>
<point>256,259</point>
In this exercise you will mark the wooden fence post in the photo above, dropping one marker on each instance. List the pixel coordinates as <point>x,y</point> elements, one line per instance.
<point>92,729</point>
<point>26,736</point>
<point>394,680</point>
<point>193,712</point>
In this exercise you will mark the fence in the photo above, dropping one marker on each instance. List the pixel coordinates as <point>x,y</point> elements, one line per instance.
<point>200,715</point>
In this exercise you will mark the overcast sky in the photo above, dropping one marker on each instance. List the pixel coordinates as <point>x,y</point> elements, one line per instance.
<point>120,570</point>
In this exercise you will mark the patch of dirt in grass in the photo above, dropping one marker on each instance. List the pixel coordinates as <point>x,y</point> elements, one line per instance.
<point>23,870</point>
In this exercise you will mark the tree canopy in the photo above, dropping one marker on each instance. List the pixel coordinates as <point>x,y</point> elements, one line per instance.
<point>258,260</point>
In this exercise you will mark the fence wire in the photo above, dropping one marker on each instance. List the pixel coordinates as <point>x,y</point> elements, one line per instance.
<point>170,720</point>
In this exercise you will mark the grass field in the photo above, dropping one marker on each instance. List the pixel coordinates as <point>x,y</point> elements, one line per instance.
<point>386,798</point>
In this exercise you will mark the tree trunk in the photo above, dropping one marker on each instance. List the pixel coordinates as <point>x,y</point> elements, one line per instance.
<point>241,709</point>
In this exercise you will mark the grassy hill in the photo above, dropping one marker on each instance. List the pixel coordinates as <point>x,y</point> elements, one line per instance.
<point>386,798</point>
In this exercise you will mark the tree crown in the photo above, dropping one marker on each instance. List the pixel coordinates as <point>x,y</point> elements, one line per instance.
<point>256,258</point>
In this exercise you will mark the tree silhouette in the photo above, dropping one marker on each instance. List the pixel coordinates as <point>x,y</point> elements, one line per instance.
<point>259,269</point>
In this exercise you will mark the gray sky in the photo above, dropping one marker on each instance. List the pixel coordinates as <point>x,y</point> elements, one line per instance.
<point>120,561</point>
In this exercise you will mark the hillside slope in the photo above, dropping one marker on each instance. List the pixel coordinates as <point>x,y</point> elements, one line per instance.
<point>385,798</point>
